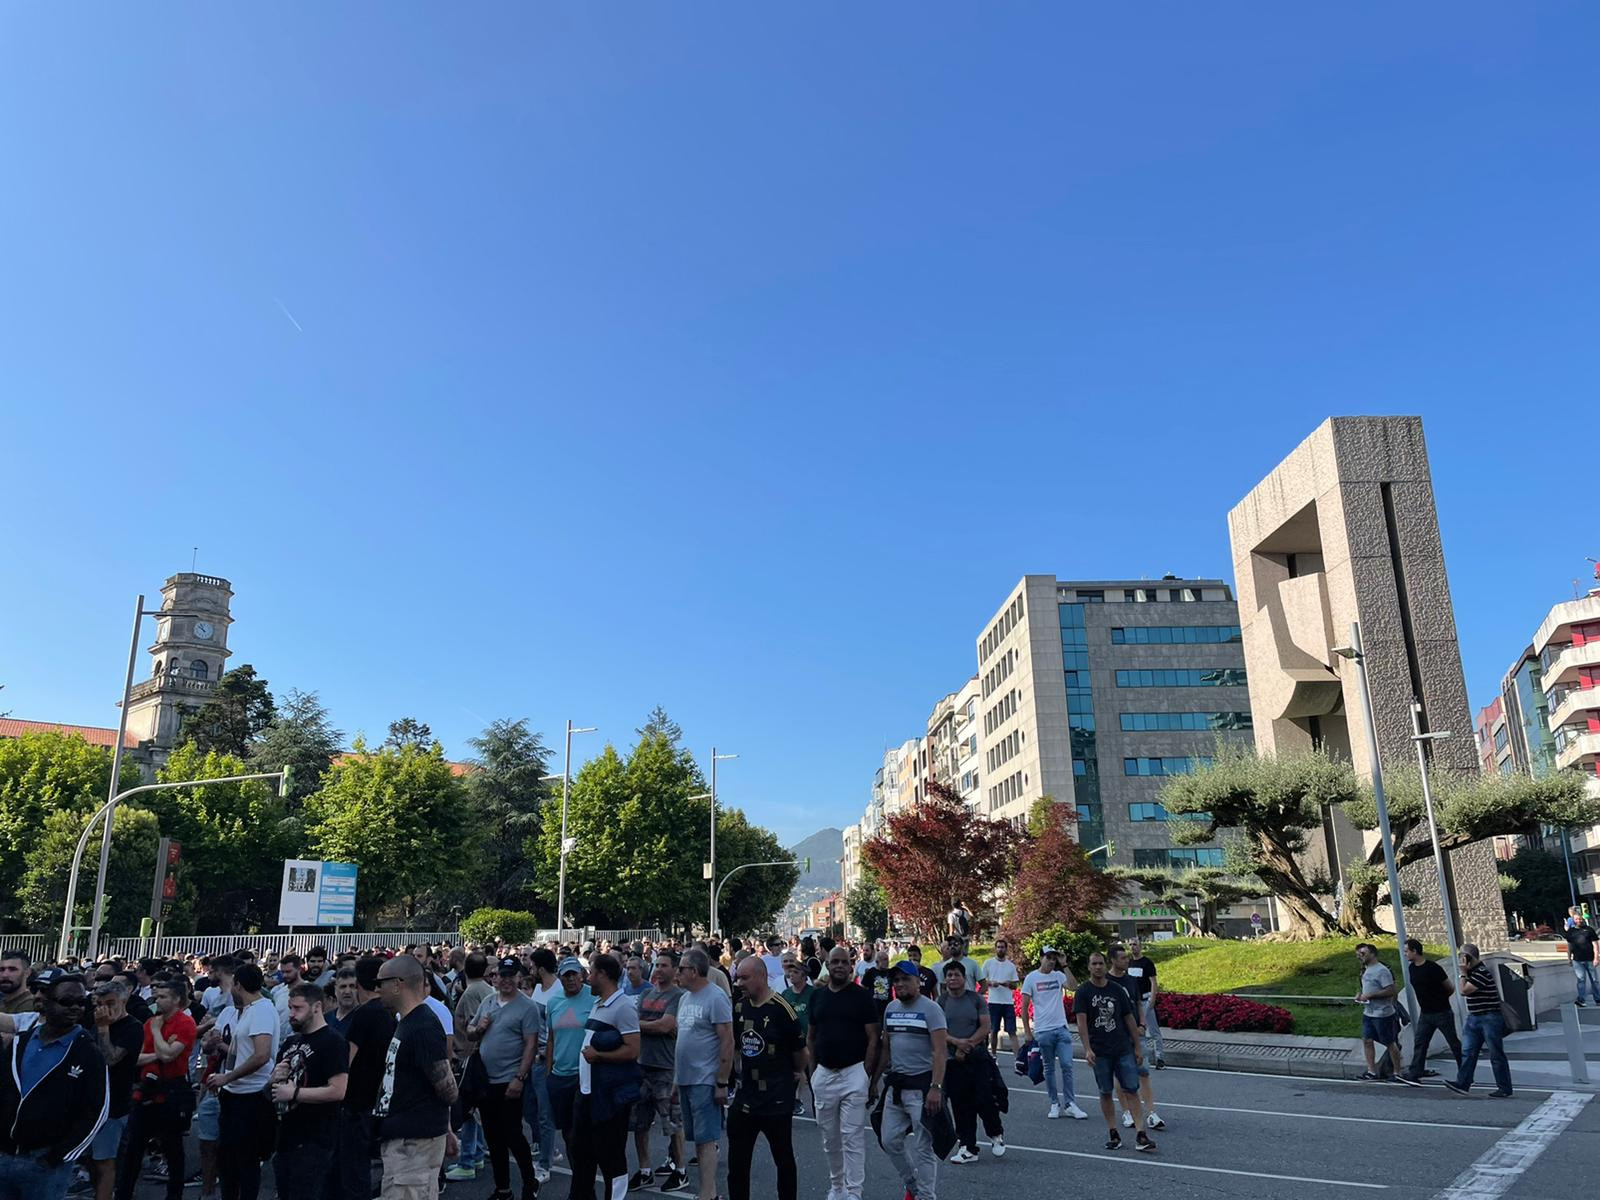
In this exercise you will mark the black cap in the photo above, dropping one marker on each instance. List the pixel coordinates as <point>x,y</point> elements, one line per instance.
<point>511,965</point>
<point>47,979</point>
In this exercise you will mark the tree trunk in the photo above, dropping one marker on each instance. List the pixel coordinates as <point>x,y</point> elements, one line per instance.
<point>1360,916</point>
<point>1279,871</point>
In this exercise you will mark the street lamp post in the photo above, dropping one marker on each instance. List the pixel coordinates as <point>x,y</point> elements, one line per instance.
<point>107,810</point>
<point>139,613</point>
<point>716,888</point>
<point>1419,738</point>
<point>1386,839</point>
<point>566,847</point>
<point>711,871</point>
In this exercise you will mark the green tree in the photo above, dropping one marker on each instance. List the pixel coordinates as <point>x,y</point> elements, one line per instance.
<point>1539,893</point>
<point>1199,892</point>
<point>1468,807</point>
<point>43,773</point>
<point>867,905</point>
<point>235,837</point>
<point>300,736</point>
<point>487,924</point>
<point>659,723</point>
<point>508,793</point>
<point>402,816</point>
<point>233,716</point>
<point>751,901</point>
<point>1274,802</point>
<point>129,873</point>
<point>408,731</point>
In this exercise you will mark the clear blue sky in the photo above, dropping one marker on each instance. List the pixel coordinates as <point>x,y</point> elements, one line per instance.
<point>545,361</point>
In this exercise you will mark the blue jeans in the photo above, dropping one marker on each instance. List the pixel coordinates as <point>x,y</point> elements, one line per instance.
<point>1481,1029</point>
<point>1055,1045</point>
<point>1586,976</point>
<point>26,1177</point>
<point>537,1113</point>
<point>473,1147</point>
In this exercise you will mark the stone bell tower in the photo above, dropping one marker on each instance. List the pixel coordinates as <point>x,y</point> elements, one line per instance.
<point>189,653</point>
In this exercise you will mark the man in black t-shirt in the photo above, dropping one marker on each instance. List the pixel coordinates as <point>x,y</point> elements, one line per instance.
<point>772,1060</point>
<point>842,1037</point>
<point>1433,989</point>
<point>121,1039</point>
<point>412,1114</point>
<point>878,981</point>
<point>1580,939</point>
<point>369,1033</point>
<point>308,1085</point>
<point>1143,968</point>
<point>1110,1036</point>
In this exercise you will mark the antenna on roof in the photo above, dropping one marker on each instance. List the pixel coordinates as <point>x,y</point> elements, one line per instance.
<point>194,558</point>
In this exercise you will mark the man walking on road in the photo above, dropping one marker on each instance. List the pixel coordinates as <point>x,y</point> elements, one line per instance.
<point>1484,1025</point>
<point>1110,1036</point>
<point>1143,969</point>
<point>772,1059</point>
<point>915,1058</point>
<point>1380,1021</point>
<point>704,1060</point>
<point>1119,975</point>
<point>1047,1022</point>
<point>1001,976</point>
<point>1580,939</point>
<point>1433,990</point>
<point>843,1041</point>
<point>968,1074</point>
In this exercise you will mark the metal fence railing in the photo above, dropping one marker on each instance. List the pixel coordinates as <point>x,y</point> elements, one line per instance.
<point>40,947</point>
<point>206,945</point>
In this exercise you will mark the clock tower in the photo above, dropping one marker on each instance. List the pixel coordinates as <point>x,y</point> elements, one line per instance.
<point>189,653</point>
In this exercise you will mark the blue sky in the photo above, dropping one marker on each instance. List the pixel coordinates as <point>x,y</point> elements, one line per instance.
<point>561,361</point>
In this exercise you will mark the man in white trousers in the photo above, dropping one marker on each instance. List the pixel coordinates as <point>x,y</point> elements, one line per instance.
<point>843,1041</point>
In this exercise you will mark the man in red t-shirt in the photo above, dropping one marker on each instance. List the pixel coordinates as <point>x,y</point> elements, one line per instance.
<point>162,1099</point>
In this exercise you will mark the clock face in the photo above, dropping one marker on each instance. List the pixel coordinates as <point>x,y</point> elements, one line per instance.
<point>202,630</point>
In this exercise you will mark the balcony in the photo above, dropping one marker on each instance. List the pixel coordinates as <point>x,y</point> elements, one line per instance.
<point>174,683</point>
<point>1587,838</point>
<point>1578,749</point>
<point>1564,666</point>
<point>1574,700</point>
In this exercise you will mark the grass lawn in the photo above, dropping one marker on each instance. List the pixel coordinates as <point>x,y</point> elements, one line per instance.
<point>1269,969</point>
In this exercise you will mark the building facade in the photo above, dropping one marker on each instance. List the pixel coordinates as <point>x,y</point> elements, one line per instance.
<point>1493,734</point>
<point>1566,651</point>
<point>1094,692</point>
<point>189,655</point>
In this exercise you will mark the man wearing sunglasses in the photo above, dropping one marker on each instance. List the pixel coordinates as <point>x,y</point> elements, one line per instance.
<point>53,1092</point>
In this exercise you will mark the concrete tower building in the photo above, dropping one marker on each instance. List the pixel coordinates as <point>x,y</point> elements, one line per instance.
<point>189,655</point>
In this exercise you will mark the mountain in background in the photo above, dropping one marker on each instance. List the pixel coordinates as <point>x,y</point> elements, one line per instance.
<point>825,848</point>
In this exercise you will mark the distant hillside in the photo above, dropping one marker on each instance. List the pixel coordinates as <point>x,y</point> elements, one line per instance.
<point>824,848</point>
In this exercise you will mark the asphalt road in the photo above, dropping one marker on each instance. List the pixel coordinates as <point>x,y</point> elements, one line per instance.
<point>1238,1135</point>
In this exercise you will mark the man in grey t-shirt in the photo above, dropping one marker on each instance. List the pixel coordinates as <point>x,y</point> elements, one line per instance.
<point>704,1060</point>
<point>1380,1026</point>
<point>658,1090</point>
<point>916,1031</point>
<point>506,1033</point>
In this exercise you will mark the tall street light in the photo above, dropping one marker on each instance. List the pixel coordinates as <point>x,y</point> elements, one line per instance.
<point>711,869</point>
<point>1385,838</point>
<point>139,613</point>
<point>566,843</point>
<point>1420,738</point>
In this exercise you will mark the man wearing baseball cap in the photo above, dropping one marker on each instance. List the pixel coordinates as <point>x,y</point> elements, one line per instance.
<point>506,1034</point>
<point>566,1015</point>
<point>917,1035</point>
<point>54,1093</point>
<point>1045,1019</point>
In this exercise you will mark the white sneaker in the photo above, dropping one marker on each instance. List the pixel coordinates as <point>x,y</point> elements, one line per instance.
<point>1127,1119</point>
<point>1076,1113</point>
<point>998,1146</point>
<point>1055,1111</point>
<point>1154,1121</point>
<point>963,1155</point>
<point>541,1174</point>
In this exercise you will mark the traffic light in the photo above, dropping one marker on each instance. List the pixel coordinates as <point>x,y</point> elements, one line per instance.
<point>169,856</point>
<point>286,782</point>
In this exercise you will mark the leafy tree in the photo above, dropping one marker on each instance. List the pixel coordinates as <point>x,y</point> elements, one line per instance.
<point>1467,808</point>
<point>42,773</point>
<point>235,837</point>
<point>134,839</point>
<point>487,924</point>
<point>752,900</point>
<point>1075,946</point>
<point>659,723</point>
<point>867,906</point>
<point>507,794</point>
<point>233,716</point>
<point>932,854</point>
<point>301,736</point>
<point>403,818</point>
<point>1274,802</point>
<point>1056,884</point>
<point>1199,891</point>
<point>1539,893</point>
<point>408,731</point>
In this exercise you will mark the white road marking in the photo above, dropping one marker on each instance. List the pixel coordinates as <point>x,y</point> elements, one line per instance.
<point>1502,1163</point>
<point>1268,1112</point>
<point>1303,1079</point>
<point>1133,1159</point>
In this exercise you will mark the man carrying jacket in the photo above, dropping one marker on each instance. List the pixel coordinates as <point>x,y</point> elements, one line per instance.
<point>54,1093</point>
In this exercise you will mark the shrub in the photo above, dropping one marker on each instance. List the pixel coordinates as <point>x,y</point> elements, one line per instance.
<point>1222,1013</point>
<point>1075,947</point>
<point>486,924</point>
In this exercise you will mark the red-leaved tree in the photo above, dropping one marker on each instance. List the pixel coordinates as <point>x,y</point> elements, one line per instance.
<point>934,853</point>
<point>1055,884</point>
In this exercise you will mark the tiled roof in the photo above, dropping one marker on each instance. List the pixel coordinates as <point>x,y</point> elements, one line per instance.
<point>93,734</point>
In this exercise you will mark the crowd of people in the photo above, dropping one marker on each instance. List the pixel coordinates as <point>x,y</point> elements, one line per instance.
<point>433,1065</point>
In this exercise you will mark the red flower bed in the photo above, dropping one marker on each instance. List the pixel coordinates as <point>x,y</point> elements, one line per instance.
<point>1225,1014</point>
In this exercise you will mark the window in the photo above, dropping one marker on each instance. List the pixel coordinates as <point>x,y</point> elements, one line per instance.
<point>1196,722</point>
<point>1214,677</point>
<point>1146,812</point>
<point>1175,635</point>
<point>1172,765</point>
<point>1500,738</point>
<point>198,669</point>
<point>1098,597</point>
<point>1200,856</point>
